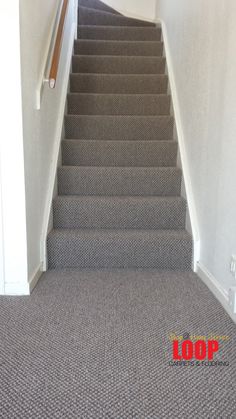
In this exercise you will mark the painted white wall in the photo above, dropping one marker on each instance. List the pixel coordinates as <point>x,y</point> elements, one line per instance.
<point>201,37</point>
<point>13,249</point>
<point>134,8</point>
<point>41,135</point>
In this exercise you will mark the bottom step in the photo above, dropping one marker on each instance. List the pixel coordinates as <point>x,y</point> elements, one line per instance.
<point>159,249</point>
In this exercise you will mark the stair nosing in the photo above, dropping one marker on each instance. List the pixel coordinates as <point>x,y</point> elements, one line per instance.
<point>121,167</point>
<point>121,75</point>
<point>120,94</point>
<point>123,141</point>
<point>104,41</point>
<point>120,197</point>
<point>121,26</point>
<point>112,230</point>
<point>119,116</point>
<point>159,57</point>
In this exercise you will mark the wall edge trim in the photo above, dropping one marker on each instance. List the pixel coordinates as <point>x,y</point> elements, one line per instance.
<point>56,152</point>
<point>182,149</point>
<point>217,290</point>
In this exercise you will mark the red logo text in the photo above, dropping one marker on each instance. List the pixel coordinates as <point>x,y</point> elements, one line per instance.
<point>199,350</point>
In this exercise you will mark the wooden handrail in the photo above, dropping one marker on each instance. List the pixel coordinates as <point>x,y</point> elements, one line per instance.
<point>57,48</point>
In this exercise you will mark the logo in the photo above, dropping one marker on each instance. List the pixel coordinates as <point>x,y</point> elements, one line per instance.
<point>192,350</point>
<point>198,350</point>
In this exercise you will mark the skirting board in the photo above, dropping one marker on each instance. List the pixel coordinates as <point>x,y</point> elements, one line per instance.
<point>16,289</point>
<point>211,282</point>
<point>182,149</point>
<point>56,150</point>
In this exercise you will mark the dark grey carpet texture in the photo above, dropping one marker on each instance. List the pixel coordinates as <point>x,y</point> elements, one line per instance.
<point>118,203</point>
<point>94,340</point>
<point>96,345</point>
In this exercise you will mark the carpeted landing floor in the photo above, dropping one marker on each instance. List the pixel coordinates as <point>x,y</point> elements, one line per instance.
<point>97,345</point>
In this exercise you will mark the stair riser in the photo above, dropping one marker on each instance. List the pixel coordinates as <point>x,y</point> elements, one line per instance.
<point>98,5</point>
<point>84,83</point>
<point>106,104</point>
<point>119,181</point>
<point>129,250</point>
<point>117,33</point>
<point>119,213</point>
<point>119,153</point>
<point>119,127</point>
<point>85,47</point>
<point>118,65</point>
<point>93,17</point>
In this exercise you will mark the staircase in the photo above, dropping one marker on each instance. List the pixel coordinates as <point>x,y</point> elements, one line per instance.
<point>119,203</point>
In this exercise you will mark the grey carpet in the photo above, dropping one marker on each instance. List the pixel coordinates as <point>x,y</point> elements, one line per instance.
<point>119,181</point>
<point>96,4</point>
<point>118,64</point>
<point>118,104</point>
<point>95,345</point>
<point>119,186</point>
<point>115,248</point>
<point>119,33</point>
<point>108,47</point>
<point>119,127</point>
<point>89,16</point>
<point>119,153</point>
<point>119,212</point>
<point>118,83</point>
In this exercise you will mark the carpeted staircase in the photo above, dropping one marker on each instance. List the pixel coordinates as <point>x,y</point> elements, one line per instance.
<point>119,202</point>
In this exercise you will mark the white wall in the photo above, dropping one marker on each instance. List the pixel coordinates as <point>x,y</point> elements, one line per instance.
<point>201,37</point>
<point>13,251</point>
<point>142,9</point>
<point>41,135</point>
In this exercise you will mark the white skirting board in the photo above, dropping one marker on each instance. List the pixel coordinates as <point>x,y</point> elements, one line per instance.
<point>182,148</point>
<point>211,282</point>
<point>56,151</point>
<point>16,289</point>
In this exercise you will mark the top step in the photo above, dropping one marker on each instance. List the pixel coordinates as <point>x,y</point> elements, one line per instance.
<point>96,17</point>
<point>98,5</point>
<point>119,33</point>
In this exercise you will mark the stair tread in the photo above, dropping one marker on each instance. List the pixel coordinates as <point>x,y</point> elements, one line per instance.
<point>100,11</point>
<point>118,64</point>
<point>118,83</point>
<point>121,198</point>
<point>132,118</point>
<point>120,248</point>
<point>97,5</point>
<point>118,48</point>
<point>117,153</point>
<point>118,104</point>
<point>119,212</point>
<point>117,42</point>
<point>127,168</point>
<point>110,232</point>
<point>122,181</point>
<point>134,96</point>
<point>117,57</point>
<point>120,143</point>
<point>95,16</point>
<point>124,127</point>
<point>123,27</point>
